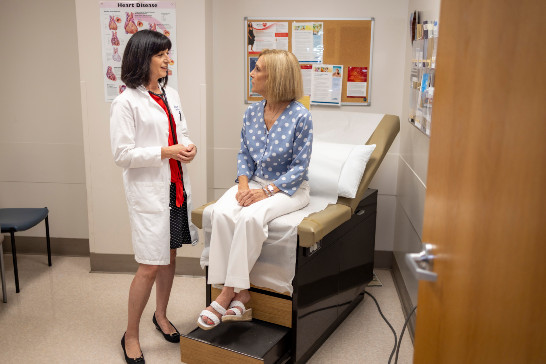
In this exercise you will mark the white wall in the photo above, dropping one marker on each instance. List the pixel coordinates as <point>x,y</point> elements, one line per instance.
<point>386,93</point>
<point>109,230</point>
<point>413,163</point>
<point>41,145</point>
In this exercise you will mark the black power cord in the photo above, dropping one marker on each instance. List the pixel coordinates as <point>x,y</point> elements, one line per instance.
<point>397,342</point>
<point>388,323</point>
<point>402,334</point>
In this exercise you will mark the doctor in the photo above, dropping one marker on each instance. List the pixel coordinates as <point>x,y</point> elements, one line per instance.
<point>149,139</point>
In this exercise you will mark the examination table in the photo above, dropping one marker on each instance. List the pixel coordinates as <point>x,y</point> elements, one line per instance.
<point>334,263</point>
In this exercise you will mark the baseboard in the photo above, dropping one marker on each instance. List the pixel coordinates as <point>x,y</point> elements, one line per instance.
<point>38,245</point>
<point>125,263</point>
<point>404,296</point>
<point>383,259</point>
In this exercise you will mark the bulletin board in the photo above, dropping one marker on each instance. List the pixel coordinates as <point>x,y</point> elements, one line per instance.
<point>346,42</point>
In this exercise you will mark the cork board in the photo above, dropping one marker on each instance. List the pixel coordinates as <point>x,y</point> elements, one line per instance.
<point>347,42</point>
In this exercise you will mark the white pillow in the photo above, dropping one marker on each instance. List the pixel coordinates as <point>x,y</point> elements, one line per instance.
<point>336,164</point>
<point>353,169</point>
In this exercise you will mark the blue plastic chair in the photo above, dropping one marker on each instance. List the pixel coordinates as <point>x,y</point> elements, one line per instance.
<point>2,273</point>
<point>13,220</point>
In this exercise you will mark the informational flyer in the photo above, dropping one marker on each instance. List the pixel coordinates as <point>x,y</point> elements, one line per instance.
<point>119,21</point>
<point>252,64</point>
<point>266,35</point>
<point>326,84</point>
<point>306,73</point>
<point>424,102</point>
<point>357,81</point>
<point>307,41</point>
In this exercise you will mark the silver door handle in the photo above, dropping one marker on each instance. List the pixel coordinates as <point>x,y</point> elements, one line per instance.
<point>425,259</point>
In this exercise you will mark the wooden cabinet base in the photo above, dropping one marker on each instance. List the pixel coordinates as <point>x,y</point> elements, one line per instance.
<point>254,342</point>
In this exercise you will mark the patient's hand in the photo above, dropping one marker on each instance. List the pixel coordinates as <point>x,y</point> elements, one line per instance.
<point>243,189</point>
<point>250,196</point>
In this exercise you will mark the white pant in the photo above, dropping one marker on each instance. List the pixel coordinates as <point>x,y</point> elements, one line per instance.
<point>239,232</point>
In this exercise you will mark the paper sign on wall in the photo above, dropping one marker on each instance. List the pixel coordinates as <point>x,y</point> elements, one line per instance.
<point>307,41</point>
<point>326,84</point>
<point>357,80</point>
<point>266,35</point>
<point>119,21</point>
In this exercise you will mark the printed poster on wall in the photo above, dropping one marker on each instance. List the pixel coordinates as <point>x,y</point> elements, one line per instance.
<point>326,84</point>
<point>357,80</point>
<point>266,35</point>
<point>252,64</point>
<point>119,21</point>
<point>306,74</point>
<point>307,41</point>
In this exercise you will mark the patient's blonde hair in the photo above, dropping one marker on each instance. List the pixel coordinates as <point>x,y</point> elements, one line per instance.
<point>284,81</point>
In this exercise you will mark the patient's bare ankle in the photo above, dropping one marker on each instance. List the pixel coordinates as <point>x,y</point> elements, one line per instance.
<point>223,299</point>
<point>243,296</point>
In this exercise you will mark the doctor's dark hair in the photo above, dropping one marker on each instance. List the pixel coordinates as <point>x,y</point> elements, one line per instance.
<point>141,47</point>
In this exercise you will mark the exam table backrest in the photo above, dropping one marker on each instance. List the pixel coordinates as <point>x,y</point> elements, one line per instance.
<point>382,137</point>
<point>317,225</point>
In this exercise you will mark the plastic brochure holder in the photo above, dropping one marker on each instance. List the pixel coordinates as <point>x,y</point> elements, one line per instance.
<point>422,73</point>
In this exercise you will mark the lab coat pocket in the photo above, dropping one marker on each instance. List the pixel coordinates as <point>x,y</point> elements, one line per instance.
<point>147,197</point>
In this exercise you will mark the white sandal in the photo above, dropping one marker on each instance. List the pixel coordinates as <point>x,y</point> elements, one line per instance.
<point>216,321</point>
<point>244,315</point>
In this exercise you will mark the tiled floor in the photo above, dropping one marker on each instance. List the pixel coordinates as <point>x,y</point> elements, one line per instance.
<point>64,314</point>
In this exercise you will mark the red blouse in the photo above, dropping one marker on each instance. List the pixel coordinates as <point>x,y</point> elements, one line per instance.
<point>176,173</point>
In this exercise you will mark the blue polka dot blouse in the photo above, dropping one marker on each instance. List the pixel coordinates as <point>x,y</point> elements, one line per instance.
<point>281,154</point>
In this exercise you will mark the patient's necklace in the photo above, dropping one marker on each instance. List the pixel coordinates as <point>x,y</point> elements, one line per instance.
<point>272,120</point>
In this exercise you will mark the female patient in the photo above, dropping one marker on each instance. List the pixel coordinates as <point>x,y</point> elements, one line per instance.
<point>272,165</point>
<point>150,141</point>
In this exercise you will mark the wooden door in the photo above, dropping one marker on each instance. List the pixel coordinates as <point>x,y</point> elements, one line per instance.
<point>486,201</point>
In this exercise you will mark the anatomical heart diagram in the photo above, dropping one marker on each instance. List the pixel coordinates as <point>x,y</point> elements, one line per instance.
<point>115,40</point>
<point>130,26</point>
<point>112,23</point>
<point>116,57</point>
<point>110,74</point>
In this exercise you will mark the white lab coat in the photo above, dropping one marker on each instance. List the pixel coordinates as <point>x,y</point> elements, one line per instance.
<point>138,130</point>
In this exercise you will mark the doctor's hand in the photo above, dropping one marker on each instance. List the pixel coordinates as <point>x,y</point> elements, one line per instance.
<point>248,197</point>
<point>186,155</point>
<point>173,151</point>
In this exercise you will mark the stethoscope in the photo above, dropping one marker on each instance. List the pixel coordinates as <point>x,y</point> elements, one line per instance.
<point>163,97</point>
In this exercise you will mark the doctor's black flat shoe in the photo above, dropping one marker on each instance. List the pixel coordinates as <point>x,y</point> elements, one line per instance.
<point>172,338</point>
<point>128,360</point>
